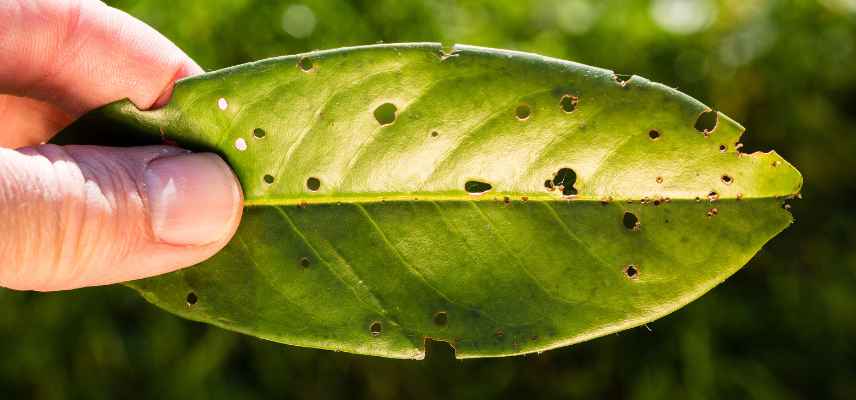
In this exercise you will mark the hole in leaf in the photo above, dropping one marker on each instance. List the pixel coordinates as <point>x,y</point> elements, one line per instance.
<point>304,262</point>
<point>630,221</point>
<point>727,179</point>
<point>441,318</point>
<point>222,104</point>
<point>439,352</point>
<point>240,144</point>
<point>713,196</point>
<point>654,134</point>
<point>305,64</point>
<point>191,299</point>
<point>259,133</point>
<point>385,113</point>
<point>565,179</point>
<point>549,185</point>
<point>523,112</point>
<point>712,212</point>
<point>477,187</point>
<point>706,122</point>
<point>622,79</point>
<point>568,103</point>
<point>313,184</point>
<point>268,179</point>
<point>631,271</point>
<point>375,328</point>
<point>659,179</point>
<point>448,51</point>
<point>723,148</point>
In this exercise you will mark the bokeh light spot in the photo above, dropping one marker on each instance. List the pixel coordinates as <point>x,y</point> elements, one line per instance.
<point>298,20</point>
<point>683,16</point>
<point>576,16</point>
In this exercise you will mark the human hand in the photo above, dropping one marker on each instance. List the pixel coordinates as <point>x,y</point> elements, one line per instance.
<point>75,216</point>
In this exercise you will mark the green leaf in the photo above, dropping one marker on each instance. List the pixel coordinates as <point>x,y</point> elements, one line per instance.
<point>504,202</point>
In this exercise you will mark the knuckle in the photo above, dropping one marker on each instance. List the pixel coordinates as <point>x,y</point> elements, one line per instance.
<point>77,212</point>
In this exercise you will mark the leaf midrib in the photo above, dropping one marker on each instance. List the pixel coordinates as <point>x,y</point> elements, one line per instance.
<point>497,198</point>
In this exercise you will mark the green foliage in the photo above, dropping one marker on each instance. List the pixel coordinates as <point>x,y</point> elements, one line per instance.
<point>781,328</point>
<point>503,202</point>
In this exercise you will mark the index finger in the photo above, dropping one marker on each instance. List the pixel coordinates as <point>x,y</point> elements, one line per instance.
<point>78,55</point>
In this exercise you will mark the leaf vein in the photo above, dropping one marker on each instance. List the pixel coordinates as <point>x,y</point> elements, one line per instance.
<point>374,134</point>
<point>400,257</point>
<point>317,255</point>
<point>572,235</point>
<point>493,319</point>
<point>455,147</point>
<point>274,287</point>
<point>517,259</point>
<point>283,162</point>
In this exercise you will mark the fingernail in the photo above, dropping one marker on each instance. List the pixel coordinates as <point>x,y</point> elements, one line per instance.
<point>193,199</point>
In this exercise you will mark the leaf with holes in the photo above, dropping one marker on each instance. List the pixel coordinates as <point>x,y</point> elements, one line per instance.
<point>504,202</point>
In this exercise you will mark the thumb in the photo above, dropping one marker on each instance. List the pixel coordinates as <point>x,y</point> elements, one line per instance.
<point>75,216</point>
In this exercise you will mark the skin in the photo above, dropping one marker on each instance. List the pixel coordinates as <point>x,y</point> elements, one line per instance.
<point>76,216</point>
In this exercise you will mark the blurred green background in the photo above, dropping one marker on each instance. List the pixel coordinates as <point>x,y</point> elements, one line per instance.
<point>782,328</point>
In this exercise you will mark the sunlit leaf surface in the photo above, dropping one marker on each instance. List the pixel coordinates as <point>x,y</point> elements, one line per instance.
<point>504,202</point>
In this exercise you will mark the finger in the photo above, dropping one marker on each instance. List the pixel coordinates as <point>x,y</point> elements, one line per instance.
<point>81,54</point>
<point>78,216</point>
<point>28,122</point>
